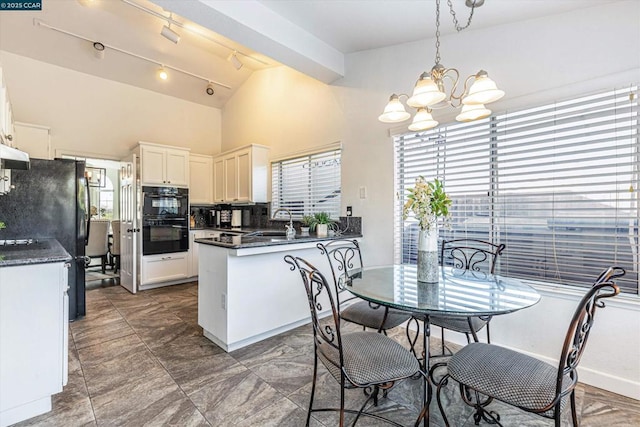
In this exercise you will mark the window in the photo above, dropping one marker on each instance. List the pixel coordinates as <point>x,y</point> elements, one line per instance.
<point>557,184</point>
<point>307,184</point>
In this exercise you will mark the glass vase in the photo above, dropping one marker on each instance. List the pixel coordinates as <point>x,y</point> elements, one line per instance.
<point>428,255</point>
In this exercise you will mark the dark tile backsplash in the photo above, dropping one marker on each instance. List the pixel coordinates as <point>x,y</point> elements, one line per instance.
<point>258,217</point>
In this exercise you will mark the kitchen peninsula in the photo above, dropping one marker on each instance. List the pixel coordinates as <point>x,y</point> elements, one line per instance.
<point>33,326</point>
<point>247,293</point>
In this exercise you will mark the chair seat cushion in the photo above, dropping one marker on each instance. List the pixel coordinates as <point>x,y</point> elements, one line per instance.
<point>506,375</point>
<point>364,314</point>
<point>369,358</point>
<point>458,324</point>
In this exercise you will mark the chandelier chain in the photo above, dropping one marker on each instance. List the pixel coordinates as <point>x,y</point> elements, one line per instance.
<point>455,22</point>
<point>455,18</point>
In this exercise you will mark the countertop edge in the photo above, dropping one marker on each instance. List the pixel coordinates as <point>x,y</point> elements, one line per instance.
<point>55,253</point>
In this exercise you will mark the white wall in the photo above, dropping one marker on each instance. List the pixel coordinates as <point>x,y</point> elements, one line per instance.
<point>102,118</point>
<point>534,61</point>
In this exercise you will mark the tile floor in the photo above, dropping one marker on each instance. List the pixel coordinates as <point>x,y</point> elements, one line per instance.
<point>141,360</point>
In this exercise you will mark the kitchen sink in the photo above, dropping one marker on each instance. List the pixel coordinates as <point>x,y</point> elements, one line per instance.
<point>267,233</point>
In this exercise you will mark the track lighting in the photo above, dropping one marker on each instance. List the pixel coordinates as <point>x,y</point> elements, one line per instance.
<point>162,73</point>
<point>233,58</point>
<point>170,35</point>
<point>99,50</point>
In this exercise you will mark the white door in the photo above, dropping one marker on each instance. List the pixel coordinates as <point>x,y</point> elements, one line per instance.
<point>129,230</point>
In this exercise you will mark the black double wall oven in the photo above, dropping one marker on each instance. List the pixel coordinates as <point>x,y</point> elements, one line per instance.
<point>165,220</point>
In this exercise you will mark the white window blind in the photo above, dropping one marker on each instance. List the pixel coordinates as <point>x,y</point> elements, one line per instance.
<point>307,184</point>
<point>557,184</point>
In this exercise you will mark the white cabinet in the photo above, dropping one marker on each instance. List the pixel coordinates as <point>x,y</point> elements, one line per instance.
<point>242,175</point>
<point>194,248</point>
<point>218,180</point>
<point>6,114</point>
<point>200,179</point>
<point>164,268</point>
<point>33,339</point>
<point>164,165</point>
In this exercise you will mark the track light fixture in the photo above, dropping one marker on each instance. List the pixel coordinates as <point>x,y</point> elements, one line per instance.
<point>233,58</point>
<point>168,33</point>
<point>210,91</point>
<point>99,50</point>
<point>162,73</point>
<point>438,88</point>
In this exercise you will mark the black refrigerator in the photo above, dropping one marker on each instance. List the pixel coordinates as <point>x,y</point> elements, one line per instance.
<point>50,200</point>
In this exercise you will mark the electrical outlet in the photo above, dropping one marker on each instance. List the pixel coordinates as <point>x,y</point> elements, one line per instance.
<point>349,211</point>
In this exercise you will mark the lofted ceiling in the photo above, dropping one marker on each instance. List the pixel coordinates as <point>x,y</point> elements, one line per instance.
<point>311,36</point>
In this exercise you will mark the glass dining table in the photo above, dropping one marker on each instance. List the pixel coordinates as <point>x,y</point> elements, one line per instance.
<point>457,293</point>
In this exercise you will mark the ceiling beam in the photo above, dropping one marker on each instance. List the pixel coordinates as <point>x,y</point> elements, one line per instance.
<point>257,27</point>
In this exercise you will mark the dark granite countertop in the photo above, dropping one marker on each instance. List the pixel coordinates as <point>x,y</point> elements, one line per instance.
<point>244,241</point>
<point>40,252</point>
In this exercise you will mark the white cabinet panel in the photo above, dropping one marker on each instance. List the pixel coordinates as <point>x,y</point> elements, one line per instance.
<point>241,176</point>
<point>164,165</point>
<point>164,268</point>
<point>200,179</point>
<point>33,363</point>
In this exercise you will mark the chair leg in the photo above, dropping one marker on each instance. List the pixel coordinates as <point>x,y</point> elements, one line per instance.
<point>443,382</point>
<point>442,340</point>
<point>313,387</point>
<point>574,415</point>
<point>104,264</point>
<point>342,400</point>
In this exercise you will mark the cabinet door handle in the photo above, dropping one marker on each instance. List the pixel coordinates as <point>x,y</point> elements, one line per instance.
<point>166,257</point>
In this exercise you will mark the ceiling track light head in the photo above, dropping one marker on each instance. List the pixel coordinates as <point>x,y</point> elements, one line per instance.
<point>233,58</point>
<point>210,90</point>
<point>162,73</point>
<point>98,50</point>
<point>169,34</point>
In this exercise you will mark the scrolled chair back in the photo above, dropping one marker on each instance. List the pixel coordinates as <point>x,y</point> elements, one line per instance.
<point>327,336</point>
<point>343,256</point>
<point>580,327</point>
<point>471,254</point>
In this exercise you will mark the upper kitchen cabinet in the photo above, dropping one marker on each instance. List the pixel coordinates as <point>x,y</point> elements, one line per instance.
<point>164,165</point>
<point>6,115</point>
<point>241,176</point>
<point>200,179</point>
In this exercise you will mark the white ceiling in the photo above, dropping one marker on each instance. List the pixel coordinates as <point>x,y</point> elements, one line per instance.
<point>311,36</point>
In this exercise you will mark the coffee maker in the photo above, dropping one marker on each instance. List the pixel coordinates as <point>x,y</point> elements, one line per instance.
<point>225,218</point>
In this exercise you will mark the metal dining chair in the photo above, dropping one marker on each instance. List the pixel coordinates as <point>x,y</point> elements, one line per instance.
<point>362,359</point>
<point>467,254</point>
<point>524,381</point>
<point>345,256</point>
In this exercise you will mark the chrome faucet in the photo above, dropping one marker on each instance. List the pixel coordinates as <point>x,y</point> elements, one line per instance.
<point>291,232</point>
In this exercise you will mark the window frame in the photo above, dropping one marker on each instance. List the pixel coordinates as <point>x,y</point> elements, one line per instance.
<point>492,133</point>
<point>308,204</point>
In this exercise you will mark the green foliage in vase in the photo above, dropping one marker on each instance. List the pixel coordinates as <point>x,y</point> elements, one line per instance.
<point>427,201</point>
<point>2,225</point>
<point>320,218</point>
<point>308,220</point>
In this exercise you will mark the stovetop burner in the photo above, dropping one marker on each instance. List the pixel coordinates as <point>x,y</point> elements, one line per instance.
<point>16,242</point>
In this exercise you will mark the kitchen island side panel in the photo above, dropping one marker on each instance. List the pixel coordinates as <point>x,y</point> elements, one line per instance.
<point>247,297</point>
<point>212,290</point>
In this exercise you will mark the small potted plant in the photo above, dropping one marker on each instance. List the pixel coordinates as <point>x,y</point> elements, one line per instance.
<point>321,223</point>
<point>308,222</point>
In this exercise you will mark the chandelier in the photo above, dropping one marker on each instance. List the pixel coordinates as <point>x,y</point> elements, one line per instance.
<point>438,88</point>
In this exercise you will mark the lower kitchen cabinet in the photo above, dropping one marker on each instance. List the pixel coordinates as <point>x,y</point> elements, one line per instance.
<point>33,338</point>
<point>194,251</point>
<point>164,268</point>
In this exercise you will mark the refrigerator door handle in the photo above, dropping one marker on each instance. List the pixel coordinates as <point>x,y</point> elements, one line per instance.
<point>86,188</point>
